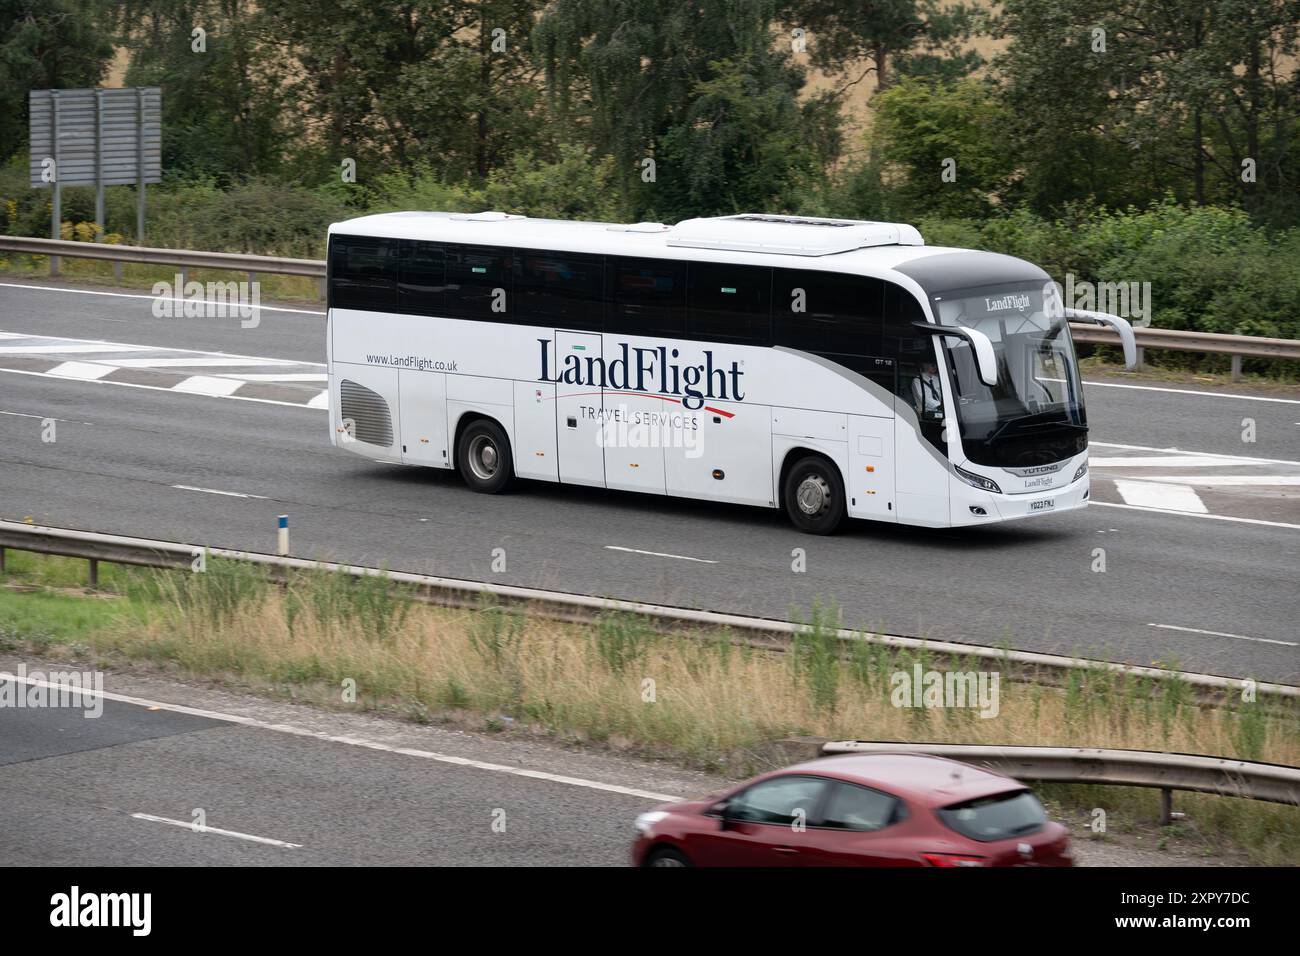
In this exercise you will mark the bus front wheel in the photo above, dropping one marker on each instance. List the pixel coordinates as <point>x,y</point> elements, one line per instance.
<point>814,495</point>
<point>483,457</point>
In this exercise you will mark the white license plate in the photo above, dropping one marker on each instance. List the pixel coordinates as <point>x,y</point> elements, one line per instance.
<point>1046,504</point>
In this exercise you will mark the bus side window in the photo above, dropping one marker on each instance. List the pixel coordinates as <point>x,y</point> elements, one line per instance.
<point>646,297</point>
<point>562,290</point>
<point>480,283</point>
<point>363,273</point>
<point>835,316</point>
<point>421,278</point>
<point>727,303</point>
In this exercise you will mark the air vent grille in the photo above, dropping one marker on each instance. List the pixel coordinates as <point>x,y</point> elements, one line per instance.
<point>368,413</point>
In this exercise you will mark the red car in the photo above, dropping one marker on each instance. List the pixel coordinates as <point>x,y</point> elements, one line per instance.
<point>859,810</point>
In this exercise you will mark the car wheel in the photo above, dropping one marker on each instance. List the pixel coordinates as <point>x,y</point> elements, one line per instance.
<point>483,457</point>
<point>667,856</point>
<point>814,495</point>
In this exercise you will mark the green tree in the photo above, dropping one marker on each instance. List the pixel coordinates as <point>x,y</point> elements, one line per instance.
<point>446,86</point>
<point>1120,103</point>
<point>223,98</point>
<point>697,87</point>
<point>887,38</point>
<point>943,147</point>
<point>744,145</point>
<point>46,44</point>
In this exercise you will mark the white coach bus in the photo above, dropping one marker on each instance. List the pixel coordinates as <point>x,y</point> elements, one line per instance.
<point>832,368</point>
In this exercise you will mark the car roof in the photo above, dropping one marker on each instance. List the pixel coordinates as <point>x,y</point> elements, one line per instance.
<point>921,778</point>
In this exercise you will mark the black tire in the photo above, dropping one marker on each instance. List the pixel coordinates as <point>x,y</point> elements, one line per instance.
<point>813,495</point>
<point>667,856</point>
<point>483,457</point>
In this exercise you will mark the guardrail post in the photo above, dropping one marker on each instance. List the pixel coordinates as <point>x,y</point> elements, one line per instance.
<point>252,279</point>
<point>94,573</point>
<point>1236,368</point>
<point>185,278</point>
<point>1141,359</point>
<point>2,560</point>
<point>117,269</point>
<point>1166,806</point>
<point>323,288</point>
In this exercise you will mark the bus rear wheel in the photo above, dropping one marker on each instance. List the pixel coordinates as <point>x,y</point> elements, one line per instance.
<point>483,457</point>
<point>814,495</point>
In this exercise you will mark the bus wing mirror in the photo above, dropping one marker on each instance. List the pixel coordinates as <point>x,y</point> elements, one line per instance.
<point>985,360</point>
<point>1121,327</point>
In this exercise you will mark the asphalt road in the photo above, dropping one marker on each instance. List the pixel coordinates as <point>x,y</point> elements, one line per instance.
<point>285,784</point>
<point>1169,577</point>
<point>96,792</point>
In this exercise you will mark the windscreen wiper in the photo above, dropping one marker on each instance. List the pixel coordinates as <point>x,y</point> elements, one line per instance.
<point>997,434</point>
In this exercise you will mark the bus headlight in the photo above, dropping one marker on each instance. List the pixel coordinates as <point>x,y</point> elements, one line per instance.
<point>1083,470</point>
<point>978,481</point>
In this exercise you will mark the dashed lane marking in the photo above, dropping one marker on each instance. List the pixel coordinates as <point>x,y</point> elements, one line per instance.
<point>216,830</point>
<point>1239,637</point>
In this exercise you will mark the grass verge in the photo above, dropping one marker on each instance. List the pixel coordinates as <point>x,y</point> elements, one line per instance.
<point>140,277</point>
<point>697,699</point>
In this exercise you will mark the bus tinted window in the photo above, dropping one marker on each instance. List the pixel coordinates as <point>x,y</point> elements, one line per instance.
<point>363,273</point>
<point>729,303</point>
<point>479,283</point>
<point>917,380</point>
<point>561,289</point>
<point>827,313</point>
<point>647,297</point>
<point>421,278</point>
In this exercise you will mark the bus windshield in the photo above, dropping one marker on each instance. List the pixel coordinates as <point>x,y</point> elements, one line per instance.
<point>1035,414</point>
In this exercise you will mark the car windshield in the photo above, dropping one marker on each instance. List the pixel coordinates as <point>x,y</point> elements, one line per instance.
<point>1035,413</point>
<point>995,818</point>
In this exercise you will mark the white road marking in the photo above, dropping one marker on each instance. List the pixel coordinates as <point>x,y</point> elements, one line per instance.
<point>164,388</point>
<point>1223,481</point>
<point>1191,514</point>
<point>208,385</point>
<point>165,348</point>
<point>219,832</point>
<point>56,348</point>
<point>287,377</point>
<point>1173,461</point>
<point>658,554</point>
<point>1240,637</point>
<point>1227,459</point>
<point>215,491</point>
<point>135,295</point>
<point>359,742</point>
<point>1190,391</point>
<point>205,362</point>
<point>1180,498</point>
<point>65,421</point>
<point>81,370</point>
<point>320,401</point>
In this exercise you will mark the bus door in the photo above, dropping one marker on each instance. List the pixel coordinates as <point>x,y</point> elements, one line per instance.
<point>579,410</point>
<point>871,467</point>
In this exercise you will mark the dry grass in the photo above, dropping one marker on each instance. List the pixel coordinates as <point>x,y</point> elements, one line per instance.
<point>699,696</point>
<point>698,699</point>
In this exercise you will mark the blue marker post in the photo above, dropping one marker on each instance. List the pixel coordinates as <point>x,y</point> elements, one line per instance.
<point>283,541</point>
